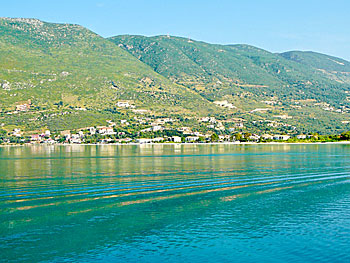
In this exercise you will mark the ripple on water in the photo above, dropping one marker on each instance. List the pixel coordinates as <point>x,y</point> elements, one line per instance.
<point>198,204</point>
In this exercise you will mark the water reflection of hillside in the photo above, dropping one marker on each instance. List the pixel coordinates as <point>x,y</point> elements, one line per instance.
<point>130,159</point>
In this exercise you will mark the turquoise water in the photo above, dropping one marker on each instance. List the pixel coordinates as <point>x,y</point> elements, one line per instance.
<point>175,203</point>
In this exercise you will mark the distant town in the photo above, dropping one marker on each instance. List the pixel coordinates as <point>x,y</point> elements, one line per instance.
<point>142,130</point>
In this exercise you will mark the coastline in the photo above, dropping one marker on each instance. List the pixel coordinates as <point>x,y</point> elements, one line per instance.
<point>167,143</point>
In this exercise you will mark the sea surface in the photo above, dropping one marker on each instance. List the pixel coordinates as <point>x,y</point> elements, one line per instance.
<point>175,203</point>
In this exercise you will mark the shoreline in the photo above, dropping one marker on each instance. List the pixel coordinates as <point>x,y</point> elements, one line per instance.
<point>165,143</point>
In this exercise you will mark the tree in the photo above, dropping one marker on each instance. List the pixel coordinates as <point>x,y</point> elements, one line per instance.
<point>238,137</point>
<point>214,137</point>
<point>201,139</point>
<point>3,132</point>
<point>345,135</point>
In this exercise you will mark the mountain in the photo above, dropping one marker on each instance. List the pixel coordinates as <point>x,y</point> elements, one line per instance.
<point>60,67</point>
<point>335,68</point>
<point>214,70</point>
<point>247,77</point>
<point>72,78</point>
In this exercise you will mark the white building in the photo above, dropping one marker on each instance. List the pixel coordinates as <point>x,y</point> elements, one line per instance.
<point>281,137</point>
<point>267,137</point>
<point>106,131</point>
<point>75,138</point>
<point>158,139</point>
<point>146,130</point>
<point>254,137</point>
<point>176,139</point>
<point>124,122</point>
<point>143,140</point>
<point>17,132</point>
<point>157,128</point>
<point>125,104</point>
<point>220,127</point>
<point>92,130</point>
<point>192,138</point>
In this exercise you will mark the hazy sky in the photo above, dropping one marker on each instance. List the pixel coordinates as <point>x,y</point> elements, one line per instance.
<point>321,25</point>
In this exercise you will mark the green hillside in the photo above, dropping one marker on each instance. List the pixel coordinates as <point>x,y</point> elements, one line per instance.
<point>335,68</point>
<point>68,65</point>
<point>247,77</point>
<point>73,78</point>
<point>212,69</point>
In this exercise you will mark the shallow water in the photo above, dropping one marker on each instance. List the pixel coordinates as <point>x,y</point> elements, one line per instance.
<point>175,203</point>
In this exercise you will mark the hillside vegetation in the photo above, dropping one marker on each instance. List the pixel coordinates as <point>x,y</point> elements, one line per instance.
<point>68,65</point>
<point>74,78</point>
<point>250,78</point>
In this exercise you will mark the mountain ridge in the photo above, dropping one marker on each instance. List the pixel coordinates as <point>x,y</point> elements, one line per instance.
<point>68,65</point>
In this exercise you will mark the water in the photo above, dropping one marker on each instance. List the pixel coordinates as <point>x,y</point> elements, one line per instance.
<point>175,203</point>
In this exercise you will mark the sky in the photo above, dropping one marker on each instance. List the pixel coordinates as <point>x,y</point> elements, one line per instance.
<point>278,26</point>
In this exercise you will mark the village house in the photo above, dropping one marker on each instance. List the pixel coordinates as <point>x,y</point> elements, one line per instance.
<point>192,138</point>
<point>111,123</point>
<point>227,137</point>
<point>254,137</point>
<point>158,139</point>
<point>157,128</point>
<point>75,138</point>
<point>82,109</point>
<point>176,139</point>
<point>204,119</point>
<point>106,140</point>
<point>301,137</point>
<point>220,127</point>
<point>140,111</point>
<point>221,138</point>
<point>212,120</point>
<point>92,130</point>
<point>284,116</point>
<point>23,107</point>
<point>49,141</point>
<point>269,102</point>
<point>125,104</point>
<point>146,130</point>
<point>260,110</point>
<point>106,130</point>
<point>35,137</point>
<point>17,132</point>
<point>125,122</point>
<point>267,137</point>
<point>143,140</point>
<point>281,137</point>
<point>66,134</point>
